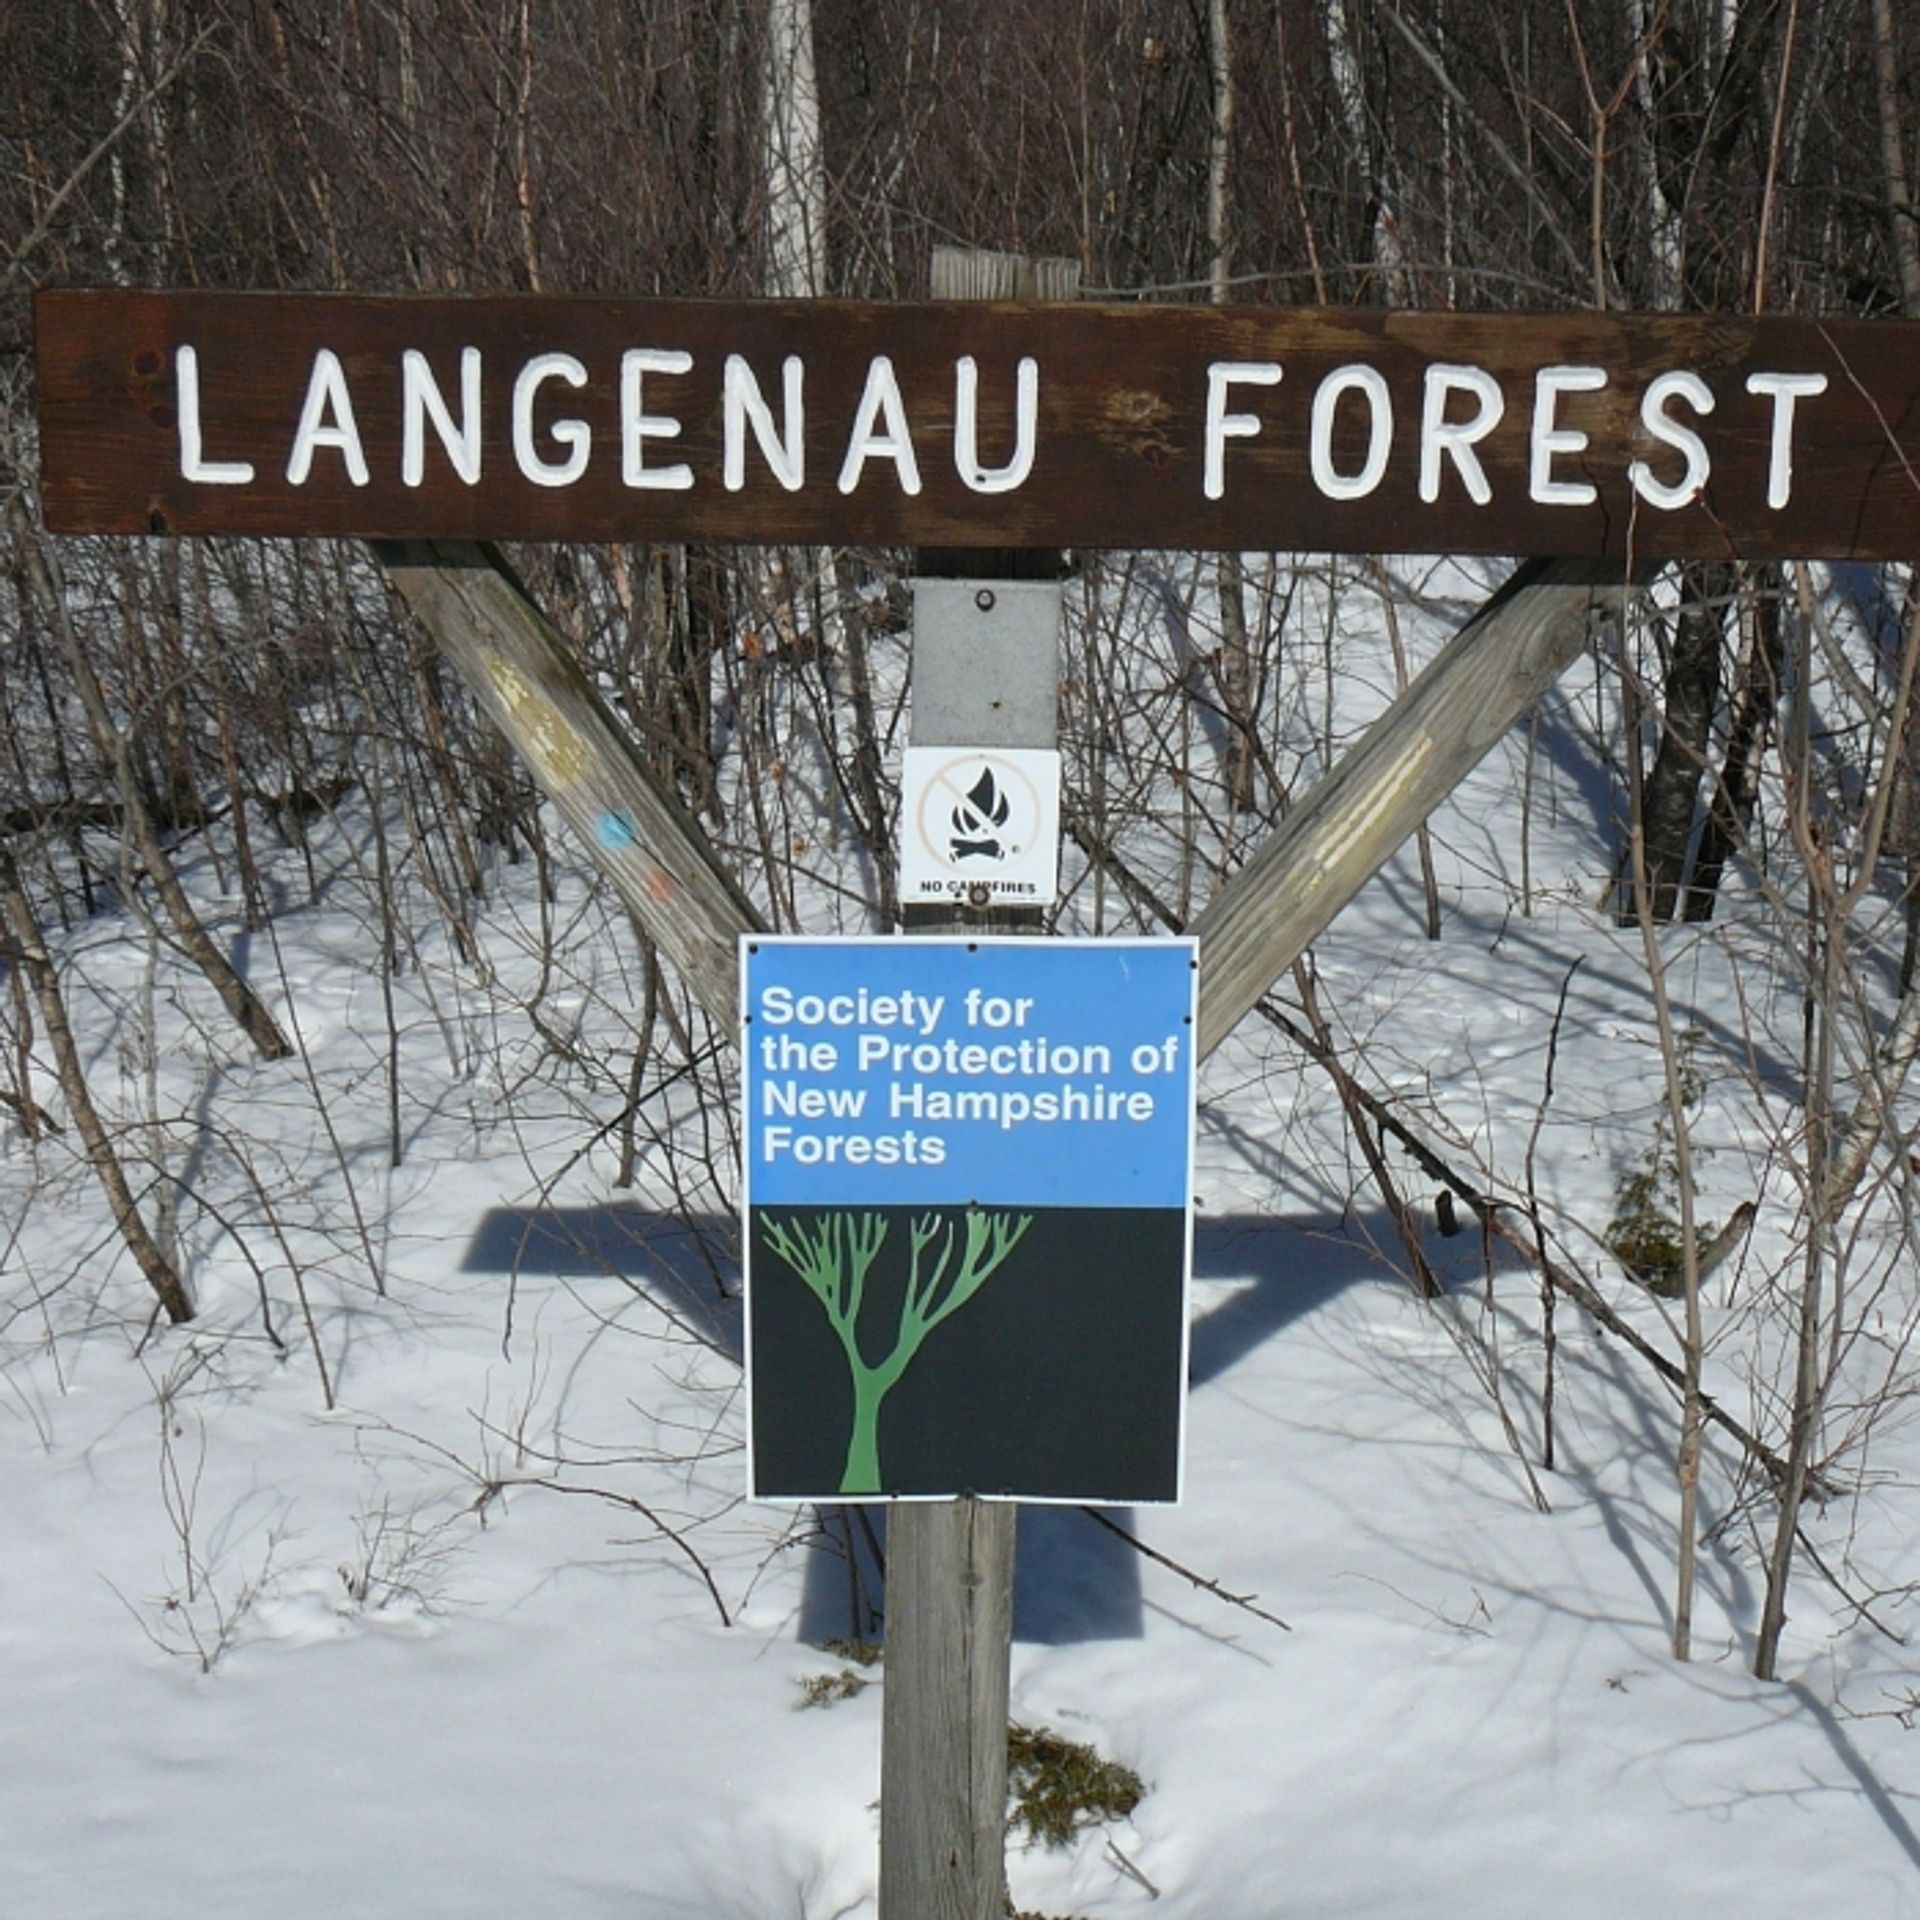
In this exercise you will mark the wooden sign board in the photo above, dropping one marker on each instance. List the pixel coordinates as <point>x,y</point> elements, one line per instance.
<point>967,1187</point>
<point>1364,430</point>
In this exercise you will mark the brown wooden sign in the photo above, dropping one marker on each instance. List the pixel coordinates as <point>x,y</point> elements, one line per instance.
<point>1362,430</point>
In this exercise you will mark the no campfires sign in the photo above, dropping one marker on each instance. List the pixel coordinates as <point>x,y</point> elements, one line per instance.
<point>980,824</point>
<point>968,1216</point>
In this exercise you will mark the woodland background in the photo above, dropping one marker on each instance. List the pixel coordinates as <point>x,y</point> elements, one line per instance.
<point>184,725</point>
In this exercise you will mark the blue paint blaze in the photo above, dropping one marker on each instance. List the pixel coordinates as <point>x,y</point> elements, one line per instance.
<point>615,830</point>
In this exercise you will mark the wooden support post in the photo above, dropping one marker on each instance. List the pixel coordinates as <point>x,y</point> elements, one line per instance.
<point>525,675</point>
<point>943,1786</point>
<point>943,1736</point>
<point>1412,757</point>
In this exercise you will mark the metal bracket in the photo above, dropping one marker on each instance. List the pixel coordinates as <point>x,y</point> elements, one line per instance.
<point>986,663</point>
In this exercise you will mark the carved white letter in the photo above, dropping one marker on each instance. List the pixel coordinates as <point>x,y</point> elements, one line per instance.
<point>785,451</point>
<point>1785,389</point>
<point>1689,387</point>
<point>1358,378</point>
<point>1456,439</point>
<point>966,427</point>
<point>882,396</point>
<point>326,394</point>
<point>212,473</point>
<point>420,397</point>
<point>575,435</point>
<point>1549,439</point>
<point>1223,426</point>
<point>638,426</point>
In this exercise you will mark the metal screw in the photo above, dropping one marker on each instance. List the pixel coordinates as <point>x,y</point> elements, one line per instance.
<point>979,896</point>
<point>984,600</point>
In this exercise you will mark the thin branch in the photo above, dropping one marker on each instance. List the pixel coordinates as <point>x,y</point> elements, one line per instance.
<point>1521,177</point>
<point>1244,1601</point>
<point>101,148</point>
<point>492,1487</point>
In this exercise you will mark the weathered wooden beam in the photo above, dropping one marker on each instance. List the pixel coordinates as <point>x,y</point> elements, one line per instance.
<point>949,1605</point>
<point>943,1798</point>
<point>523,672</point>
<point>1412,757</point>
<point>988,423</point>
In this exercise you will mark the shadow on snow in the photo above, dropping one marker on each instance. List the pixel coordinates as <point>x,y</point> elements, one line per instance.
<point>1074,1580</point>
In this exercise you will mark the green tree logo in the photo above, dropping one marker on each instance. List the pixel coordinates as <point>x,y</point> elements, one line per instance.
<point>835,1253</point>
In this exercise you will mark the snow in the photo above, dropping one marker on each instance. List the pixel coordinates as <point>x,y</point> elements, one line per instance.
<point>497,1634</point>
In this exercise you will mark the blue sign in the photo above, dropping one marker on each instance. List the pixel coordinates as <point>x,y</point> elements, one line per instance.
<point>967,1174</point>
<point>994,1072</point>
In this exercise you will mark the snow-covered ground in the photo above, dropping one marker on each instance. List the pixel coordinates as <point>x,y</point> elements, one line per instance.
<point>495,1634</point>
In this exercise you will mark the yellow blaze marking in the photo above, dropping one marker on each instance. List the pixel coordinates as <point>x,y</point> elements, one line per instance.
<point>558,753</point>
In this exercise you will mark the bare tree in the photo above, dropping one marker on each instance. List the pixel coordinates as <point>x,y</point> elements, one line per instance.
<point>26,950</point>
<point>247,1008</point>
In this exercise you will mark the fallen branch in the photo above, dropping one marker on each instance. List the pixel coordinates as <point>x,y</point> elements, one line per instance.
<point>1499,1218</point>
<point>1495,1215</point>
<point>1244,1601</point>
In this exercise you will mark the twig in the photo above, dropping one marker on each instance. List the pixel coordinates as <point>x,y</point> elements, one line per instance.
<point>1244,1601</point>
<point>1132,1872</point>
<point>1859,1606</point>
<point>506,1483</point>
<point>1467,1626</point>
<point>101,148</point>
<point>1549,1337</point>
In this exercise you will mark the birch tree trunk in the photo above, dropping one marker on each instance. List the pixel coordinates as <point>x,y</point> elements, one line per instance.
<point>1345,59</point>
<point>795,175</point>
<point>1663,217</point>
<point>794,165</point>
<point>1236,660</point>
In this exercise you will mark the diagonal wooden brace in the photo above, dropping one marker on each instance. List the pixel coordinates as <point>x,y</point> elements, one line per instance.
<point>1413,756</point>
<point>523,672</point>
